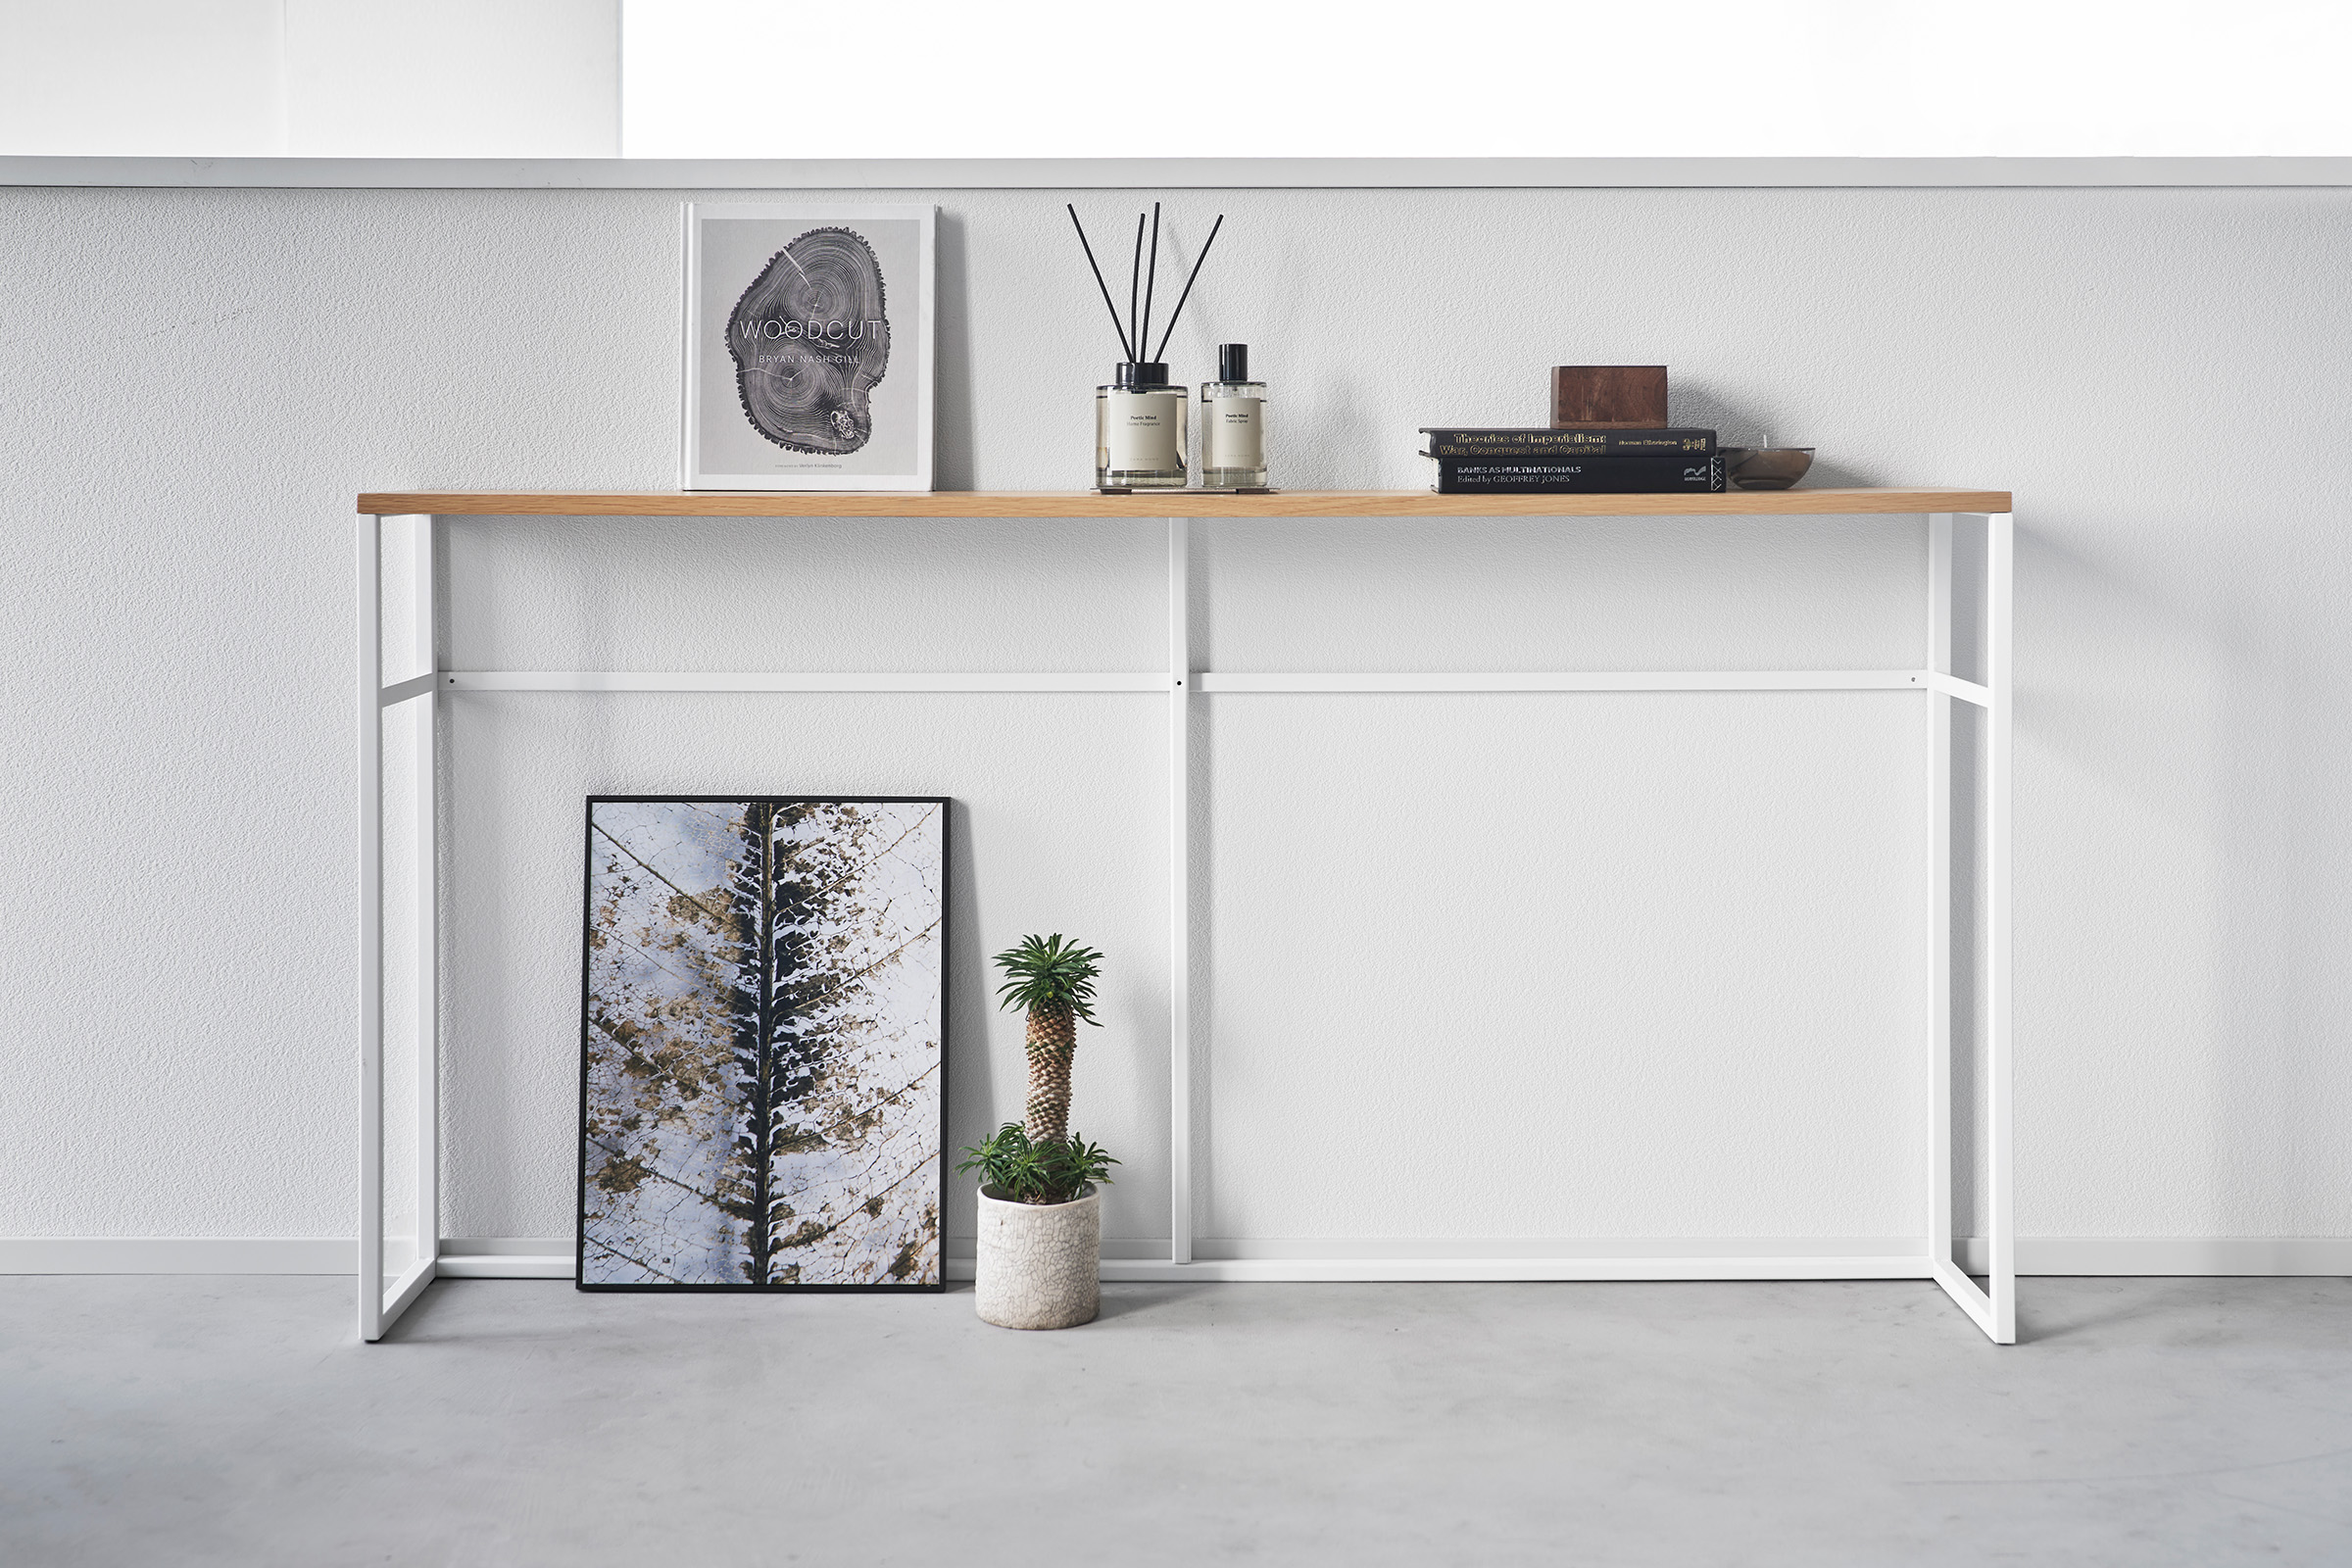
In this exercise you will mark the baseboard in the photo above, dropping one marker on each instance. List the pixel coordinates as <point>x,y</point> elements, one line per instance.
<point>2294,1255</point>
<point>178,1254</point>
<point>1781,1256</point>
<point>507,1257</point>
<point>546,1257</point>
<point>498,1257</point>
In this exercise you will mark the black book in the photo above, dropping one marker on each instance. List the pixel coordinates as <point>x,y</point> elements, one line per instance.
<point>1546,445</point>
<point>1624,476</point>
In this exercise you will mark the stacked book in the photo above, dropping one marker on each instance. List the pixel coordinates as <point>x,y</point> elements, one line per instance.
<point>1558,463</point>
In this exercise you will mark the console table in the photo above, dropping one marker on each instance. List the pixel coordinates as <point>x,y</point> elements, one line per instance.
<point>1991,1307</point>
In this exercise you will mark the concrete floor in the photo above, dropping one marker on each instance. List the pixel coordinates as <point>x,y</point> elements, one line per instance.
<point>175,1421</point>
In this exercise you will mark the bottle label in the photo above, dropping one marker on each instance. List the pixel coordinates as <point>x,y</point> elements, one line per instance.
<point>1141,433</point>
<point>1234,430</point>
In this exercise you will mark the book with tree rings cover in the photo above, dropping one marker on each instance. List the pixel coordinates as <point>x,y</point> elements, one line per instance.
<point>808,347</point>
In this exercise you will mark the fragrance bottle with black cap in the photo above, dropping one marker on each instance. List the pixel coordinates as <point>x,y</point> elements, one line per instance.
<point>1141,426</point>
<point>1233,425</point>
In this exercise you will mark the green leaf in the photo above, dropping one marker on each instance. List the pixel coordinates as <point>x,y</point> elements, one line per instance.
<point>1053,1170</point>
<point>1046,974</point>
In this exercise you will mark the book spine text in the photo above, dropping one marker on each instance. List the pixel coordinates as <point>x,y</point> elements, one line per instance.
<point>1623,476</point>
<point>1544,444</point>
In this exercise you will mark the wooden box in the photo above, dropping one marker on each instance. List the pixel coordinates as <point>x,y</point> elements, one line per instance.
<point>1608,397</point>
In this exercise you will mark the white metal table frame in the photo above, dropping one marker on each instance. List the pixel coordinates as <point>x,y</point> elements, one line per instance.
<point>1992,1308</point>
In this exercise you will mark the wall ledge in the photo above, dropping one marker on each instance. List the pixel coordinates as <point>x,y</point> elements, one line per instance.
<point>1166,173</point>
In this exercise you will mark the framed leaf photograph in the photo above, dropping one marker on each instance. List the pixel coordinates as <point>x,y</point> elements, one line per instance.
<point>809,337</point>
<point>762,1063</point>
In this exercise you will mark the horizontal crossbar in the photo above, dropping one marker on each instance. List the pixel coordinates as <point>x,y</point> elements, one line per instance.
<point>631,680</point>
<point>400,690</point>
<point>1968,691</point>
<point>1628,680</point>
<point>1897,1266</point>
<point>1213,682</point>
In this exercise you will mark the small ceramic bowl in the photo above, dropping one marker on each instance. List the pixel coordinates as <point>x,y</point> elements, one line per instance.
<point>1766,468</point>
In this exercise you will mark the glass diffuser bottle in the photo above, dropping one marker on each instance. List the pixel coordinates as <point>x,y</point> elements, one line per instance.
<point>1142,425</point>
<point>1233,423</point>
<point>1141,430</point>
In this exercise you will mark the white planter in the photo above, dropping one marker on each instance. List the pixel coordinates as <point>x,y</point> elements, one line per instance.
<point>1039,1265</point>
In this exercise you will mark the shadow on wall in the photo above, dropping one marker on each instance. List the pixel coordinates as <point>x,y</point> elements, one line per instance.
<point>2210,730</point>
<point>1699,406</point>
<point>953,440</point>
<point>972,1109</point>
<point>1200,982</point>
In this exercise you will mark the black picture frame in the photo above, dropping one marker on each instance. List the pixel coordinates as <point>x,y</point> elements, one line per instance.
<point>937,1284</point>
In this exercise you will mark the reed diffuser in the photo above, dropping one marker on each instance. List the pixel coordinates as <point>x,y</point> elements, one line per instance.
<point>1142,423</point>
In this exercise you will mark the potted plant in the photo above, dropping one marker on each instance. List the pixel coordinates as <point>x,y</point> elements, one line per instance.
<point>1040,1219</point>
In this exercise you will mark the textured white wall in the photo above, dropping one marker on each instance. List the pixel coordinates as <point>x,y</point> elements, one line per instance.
<point>1478,967</point>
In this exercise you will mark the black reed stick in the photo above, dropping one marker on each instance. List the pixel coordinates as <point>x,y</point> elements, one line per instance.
<point>1135,274</point>
<point>1151,279</point>
<point>1188,284</point>
<point>1125,347</point>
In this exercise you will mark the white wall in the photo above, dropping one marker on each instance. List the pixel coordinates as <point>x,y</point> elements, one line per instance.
<point>311,78</point>
<point>453,79</point>
<point>1024,78</point>
<point>1697,1016</point>
<point>202,78</point>
<point>1554,78</point>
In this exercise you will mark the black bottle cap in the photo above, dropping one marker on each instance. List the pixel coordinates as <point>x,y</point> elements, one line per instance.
<point>1139,376</point>
<point>1233,361</point>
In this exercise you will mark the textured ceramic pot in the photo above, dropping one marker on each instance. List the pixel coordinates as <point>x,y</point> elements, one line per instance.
<point>1039,1263</point>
